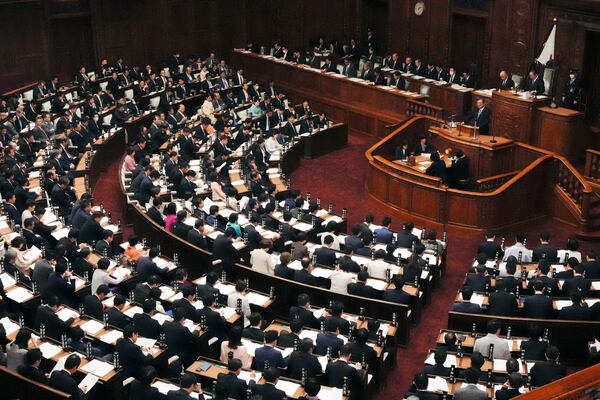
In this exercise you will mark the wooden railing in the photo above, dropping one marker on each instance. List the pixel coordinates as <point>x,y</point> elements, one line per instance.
<point>415,107</point>
<point>492,183</point>
<point>592,165</point>
<point>572,183</point>
<point>582,384</point>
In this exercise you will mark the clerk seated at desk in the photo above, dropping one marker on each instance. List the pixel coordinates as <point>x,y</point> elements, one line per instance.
<point>423,146</point>
<point>437,167</point>
<point>533,83</point>
<point>402,152</point>
<point>459,171</point>
<point>505,82</point>
<point>479,117</point>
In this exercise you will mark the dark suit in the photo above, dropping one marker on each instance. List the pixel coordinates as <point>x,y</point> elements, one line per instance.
<point>337,370</point>
<point>543,373</point>
<point>534,350</point>
<point>537,306</point>
<point>550,253</point>
<point>116,318</point>
<point>236,386</point>
<point>33,373</point>
<point>503,303</point>
<point>437,369</point>
<point>147,327</point>
<point>575,313</point>
<point>93,306</point>
<point>490,249</point>
<point>506,84</point>
<point>328,339</point>
<point>284,272</point>
<point>223,250</point>
<point>145,268</point>
<point>325,256</point>
<point>303,276</point>
<point>180,341</point>
<point>536,86</point>
<point>59,286</point>
<point>131,357</point>
<point>195,238</point>
<point>156,216</point>
<point>480,118</point>
<point>181,394</point>
<point>306,316</point>
<point>268,391</point>
<point>466,307</point>
<point>506,393</point>
<point>268,353</point>
<point>577,283</point>
<point>63,381</point>
<point>254,237</point>
<point>478,282</point>
<point>360,289</point>
<point>253,334</point>
<point>215,323</point>
<point>287,339</point>
<point>141,391</point>
<point>299,361</point>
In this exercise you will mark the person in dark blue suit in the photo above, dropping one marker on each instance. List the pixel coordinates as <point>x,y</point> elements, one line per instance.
<point>437,167</point>
<point>329,339</point>
<point>397,295</point>
<point>326,256</point>
<point>384,234</point>
<point>268,353</point>
<point>304,275</point>
<point>533,83</point>
<point>465,305</point>
<point>479,117</point>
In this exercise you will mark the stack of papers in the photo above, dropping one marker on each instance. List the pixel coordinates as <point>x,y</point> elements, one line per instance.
<point>10,327</point>
<point>98,368</point>
<point>92,327</point>
<point>133,310</point>
<point>450,360</point>
<point>288,387</point>
<point>67,313</point>
<point>329,393</point>
<point>437,384</point>
<point>88,382</point>
<point>19,295</point>
<point>111,337</point>
<point>49,350</point>
<point>256,298</point>
<point>245,375</point>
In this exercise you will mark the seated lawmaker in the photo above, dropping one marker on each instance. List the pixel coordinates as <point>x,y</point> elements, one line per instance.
<point>437,167</point>
<point>459,170</point>
<point>479,117</point>
<point>533,83</point>
<point>402,152</point>
<point>423,146</point>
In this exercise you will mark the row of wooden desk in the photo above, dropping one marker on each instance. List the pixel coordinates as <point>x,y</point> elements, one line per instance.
<point>369,109</point>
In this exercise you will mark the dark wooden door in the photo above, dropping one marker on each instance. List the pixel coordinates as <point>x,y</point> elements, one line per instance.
<point>72,46</point>
<point>468,42</point>
<point>591,76</point>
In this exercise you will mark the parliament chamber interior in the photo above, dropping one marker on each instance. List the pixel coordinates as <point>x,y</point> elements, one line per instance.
<point>334,200</point>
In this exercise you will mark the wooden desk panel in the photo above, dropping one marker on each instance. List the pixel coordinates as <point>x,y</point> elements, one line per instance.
<point>513,115</point>
<point>557,130</point>
<point>367,109</point>
<point>485,158</point>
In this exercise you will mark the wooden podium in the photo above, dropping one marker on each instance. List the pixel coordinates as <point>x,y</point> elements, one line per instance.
<point>513,114</point>
<point>556,130</point>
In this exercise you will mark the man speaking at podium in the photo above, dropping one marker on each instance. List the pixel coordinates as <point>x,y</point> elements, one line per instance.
<point>479,117</point>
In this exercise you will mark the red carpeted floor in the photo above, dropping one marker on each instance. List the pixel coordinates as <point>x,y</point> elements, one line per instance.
<point>339,177</point>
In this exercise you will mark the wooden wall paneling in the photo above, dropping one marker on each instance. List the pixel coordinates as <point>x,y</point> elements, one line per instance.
<point>499,58</point>
<point>23,51</point>
<point>439,46</point>
<point>400,11</point>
